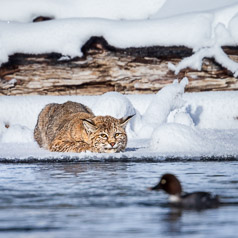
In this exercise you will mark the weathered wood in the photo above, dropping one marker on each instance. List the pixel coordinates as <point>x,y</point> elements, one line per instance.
<point>106,68</point>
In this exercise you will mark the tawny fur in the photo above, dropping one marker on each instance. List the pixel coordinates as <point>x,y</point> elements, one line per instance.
<point>72,127</point>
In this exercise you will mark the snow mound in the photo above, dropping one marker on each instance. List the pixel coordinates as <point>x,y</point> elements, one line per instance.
<point>176,139</point>
<point>166,100</point>
<point>180,138</point>
<point>113,104</point>
<point>213,110</point>
<point>180,116</point>
<point>117,105</point>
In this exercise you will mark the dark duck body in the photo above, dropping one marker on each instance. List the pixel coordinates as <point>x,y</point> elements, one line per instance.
<point>196,200</point>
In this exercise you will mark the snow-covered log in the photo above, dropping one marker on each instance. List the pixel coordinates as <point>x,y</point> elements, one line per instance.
<point>106,68</point>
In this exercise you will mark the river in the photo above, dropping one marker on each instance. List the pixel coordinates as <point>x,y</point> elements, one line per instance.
<point>111,199</point>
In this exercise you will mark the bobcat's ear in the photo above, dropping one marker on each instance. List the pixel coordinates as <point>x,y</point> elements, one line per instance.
<point>125,120</point>
<point>89,125</point>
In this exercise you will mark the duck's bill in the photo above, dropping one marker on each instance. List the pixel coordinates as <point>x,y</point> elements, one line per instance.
<point>156,187</point>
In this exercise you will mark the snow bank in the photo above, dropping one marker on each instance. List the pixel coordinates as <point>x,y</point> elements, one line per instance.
<point>169,123</point>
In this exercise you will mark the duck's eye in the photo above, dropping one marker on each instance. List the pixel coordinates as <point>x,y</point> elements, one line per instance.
<point>103,136</point>
<point>163,181</point>
<point>117,134</point>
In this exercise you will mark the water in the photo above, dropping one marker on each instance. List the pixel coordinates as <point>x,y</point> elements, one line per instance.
<point>110,199</point>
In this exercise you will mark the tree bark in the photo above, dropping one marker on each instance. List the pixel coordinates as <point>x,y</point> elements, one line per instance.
<point>105,68</point>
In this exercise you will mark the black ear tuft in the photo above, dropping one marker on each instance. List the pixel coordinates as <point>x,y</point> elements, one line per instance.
<point>89,125</point>
<point>125,120</point>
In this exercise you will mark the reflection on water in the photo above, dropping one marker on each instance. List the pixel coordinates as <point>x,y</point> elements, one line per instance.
<point>103,199</point>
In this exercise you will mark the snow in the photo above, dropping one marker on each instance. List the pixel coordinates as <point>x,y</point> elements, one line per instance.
<point>207,27</point>
<point>195,61</point>
<point>179,137</point>
<point>16,134</point>
<point>169,123</point>
<point>190,140</point>
<point>67,36</point>
<point>179,7</point>
<point>166,100</point>
<point>110,9</point>
<point>119,105</point>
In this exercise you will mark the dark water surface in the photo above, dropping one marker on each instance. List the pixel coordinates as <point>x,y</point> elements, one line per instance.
<point>103,199</point>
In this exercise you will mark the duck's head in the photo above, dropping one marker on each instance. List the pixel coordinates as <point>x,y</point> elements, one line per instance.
<point>170,184</point>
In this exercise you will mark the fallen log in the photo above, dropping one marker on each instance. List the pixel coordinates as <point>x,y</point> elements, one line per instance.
<point>106,68</point>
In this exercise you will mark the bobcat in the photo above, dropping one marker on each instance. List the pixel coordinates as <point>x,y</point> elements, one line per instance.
<point>72,127</point>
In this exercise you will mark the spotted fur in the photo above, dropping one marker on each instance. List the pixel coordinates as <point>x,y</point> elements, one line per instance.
<point>72,127</point>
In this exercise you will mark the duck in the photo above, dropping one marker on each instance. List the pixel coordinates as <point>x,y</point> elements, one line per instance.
<point>195,200</point>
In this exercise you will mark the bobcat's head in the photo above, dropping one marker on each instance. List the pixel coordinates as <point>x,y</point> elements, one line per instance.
<point>107,134</point>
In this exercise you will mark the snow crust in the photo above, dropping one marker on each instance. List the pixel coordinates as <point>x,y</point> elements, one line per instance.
<point>169,123</point>
<point>201,25</point>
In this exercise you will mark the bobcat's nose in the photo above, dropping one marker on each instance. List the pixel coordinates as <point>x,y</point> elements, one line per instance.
<point>112,144</point>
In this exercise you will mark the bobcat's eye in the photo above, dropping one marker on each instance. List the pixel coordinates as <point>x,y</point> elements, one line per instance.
<point>117,134</point>
<point>103,136</point>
